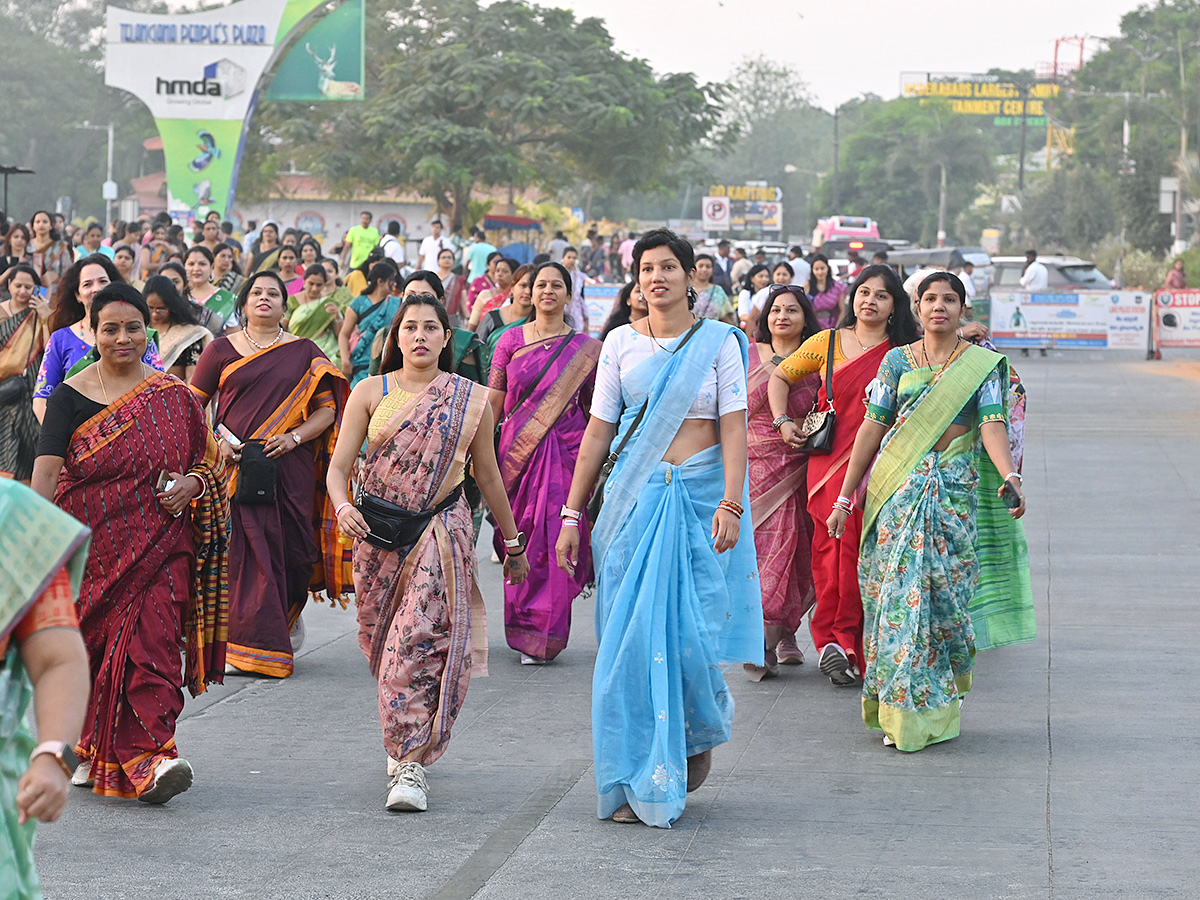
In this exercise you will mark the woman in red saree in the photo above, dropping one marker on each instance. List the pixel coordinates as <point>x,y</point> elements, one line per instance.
<point>420,614</point>
<point>156,575</point>
<point>782,526</point>
<point>541,384</point>
<point>878,318</point>
<point>282,391</point>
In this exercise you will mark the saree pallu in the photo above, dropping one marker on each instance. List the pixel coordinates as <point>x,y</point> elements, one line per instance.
<point>921,558</point>
<point>178,339</point>
<point>21,340</point>
<point>313,321</point>
<point>782,526</point>
<point>153,582</point>
<point>669,609</point>
<point>539,444</point>
<point>371,321</point>
<point>838,615</point>
<point>421,618</point>
<point>279,552</point>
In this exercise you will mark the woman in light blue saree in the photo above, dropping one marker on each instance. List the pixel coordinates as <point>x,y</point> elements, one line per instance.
<point>677,576</point>
<point>943,564</point>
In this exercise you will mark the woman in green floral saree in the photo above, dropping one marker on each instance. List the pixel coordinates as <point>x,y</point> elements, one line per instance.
<point>942,558</point>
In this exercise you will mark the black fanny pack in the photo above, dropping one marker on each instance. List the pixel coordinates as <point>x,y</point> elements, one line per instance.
<point>391,527</point>
<point>258,476</point>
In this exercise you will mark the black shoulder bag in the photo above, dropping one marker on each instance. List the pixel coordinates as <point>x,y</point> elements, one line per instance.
<point>818,426</point>
<point>597,501</point>
<point>258,476</point>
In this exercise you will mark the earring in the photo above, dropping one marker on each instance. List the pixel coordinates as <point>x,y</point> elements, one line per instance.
<point>889,320</point>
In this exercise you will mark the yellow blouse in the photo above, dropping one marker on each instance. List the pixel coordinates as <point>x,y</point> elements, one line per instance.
<point>810,358</point>
<point>393,401</point>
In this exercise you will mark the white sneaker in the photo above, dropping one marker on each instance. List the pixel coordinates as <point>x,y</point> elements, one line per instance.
<point>408,790</point>
<point>527,660</point>
<point>171,777</point>
<point>297,635</point>
<point>82,776</point>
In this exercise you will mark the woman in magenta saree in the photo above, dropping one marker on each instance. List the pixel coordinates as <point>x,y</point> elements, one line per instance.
<point>541,380</point>
<point>288,395</point>
<point>156,575</point>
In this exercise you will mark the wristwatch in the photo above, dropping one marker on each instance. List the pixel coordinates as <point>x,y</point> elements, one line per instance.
<point>296,437</point>
<point>780,421</point>
<point>63,752</point>
<point>517,543</point>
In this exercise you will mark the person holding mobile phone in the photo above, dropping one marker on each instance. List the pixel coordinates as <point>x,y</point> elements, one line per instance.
<point>22,339</point>
<point>940,529</point>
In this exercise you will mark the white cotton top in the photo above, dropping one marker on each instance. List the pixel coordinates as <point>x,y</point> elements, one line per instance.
<point>723,391</point>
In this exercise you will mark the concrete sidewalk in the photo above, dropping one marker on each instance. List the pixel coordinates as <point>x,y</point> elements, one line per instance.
<point>1076,775</point>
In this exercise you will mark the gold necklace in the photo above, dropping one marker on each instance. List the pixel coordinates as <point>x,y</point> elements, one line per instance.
<point>548,338</point>
<point>100,375</point>
<point>860,343</point>
<point>925,352</point>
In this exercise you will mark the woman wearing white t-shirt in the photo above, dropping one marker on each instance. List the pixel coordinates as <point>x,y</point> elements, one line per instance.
<point>677,577</point>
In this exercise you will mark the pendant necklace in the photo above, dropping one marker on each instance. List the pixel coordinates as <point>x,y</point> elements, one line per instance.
<point>257,345</point>
<point>548,338</point>
<point>660,346</point>
<point>860,343</point>
<point>948,358</point>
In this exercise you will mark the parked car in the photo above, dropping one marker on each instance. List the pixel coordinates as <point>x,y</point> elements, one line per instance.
<point>1065,274</point>
<point>909,260</point>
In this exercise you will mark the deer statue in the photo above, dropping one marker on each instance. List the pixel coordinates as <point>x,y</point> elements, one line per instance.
<point>330,88</point>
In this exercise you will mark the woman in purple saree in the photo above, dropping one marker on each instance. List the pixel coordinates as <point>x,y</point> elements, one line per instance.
<point>541,384</point>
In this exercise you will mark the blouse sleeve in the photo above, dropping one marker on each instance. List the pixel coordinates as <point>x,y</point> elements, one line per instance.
<point>990,398</point>
<point>54,609</point>
<point>731,377</point>
<point>498,374</point>
<point>58,426</point>
<point>808,359</point>
<point>207,376</point>
<point>606,399</point>
<point>52,371</point>
<point>883,391</point>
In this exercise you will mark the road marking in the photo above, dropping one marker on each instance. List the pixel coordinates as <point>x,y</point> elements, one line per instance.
<point>480,866</point>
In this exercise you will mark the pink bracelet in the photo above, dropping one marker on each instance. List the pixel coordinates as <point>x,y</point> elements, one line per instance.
<point>574,523</point>
<point>338,509</point>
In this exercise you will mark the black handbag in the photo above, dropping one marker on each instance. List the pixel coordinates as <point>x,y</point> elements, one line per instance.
<point>16,388</point>
<point>597,499</point>
<point>818,425</point>
<point>390,527</point>
<point>258,476</point>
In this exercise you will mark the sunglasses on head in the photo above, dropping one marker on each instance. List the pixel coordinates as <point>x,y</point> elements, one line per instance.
<point>776,289</point>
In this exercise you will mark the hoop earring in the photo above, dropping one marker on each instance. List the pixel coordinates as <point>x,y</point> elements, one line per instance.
<point>889,320</point>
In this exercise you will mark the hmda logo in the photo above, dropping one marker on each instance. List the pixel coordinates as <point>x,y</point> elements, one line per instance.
<point>223,78</point>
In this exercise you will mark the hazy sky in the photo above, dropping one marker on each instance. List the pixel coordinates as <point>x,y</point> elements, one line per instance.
<point>850,47</point>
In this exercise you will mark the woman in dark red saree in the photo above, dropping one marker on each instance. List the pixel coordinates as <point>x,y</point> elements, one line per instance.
<point>280,390</point>
<point>878,318</point>
<point>155,577</point>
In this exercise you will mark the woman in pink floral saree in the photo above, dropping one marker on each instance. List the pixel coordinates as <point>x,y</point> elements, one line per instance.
<point>420,613</point>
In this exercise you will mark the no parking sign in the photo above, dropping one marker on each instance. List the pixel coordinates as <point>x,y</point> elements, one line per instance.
<point>715,214</point>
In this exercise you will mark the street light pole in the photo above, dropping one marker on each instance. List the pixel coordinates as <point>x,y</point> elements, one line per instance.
<point>836,208</point>
<point>108,182</point>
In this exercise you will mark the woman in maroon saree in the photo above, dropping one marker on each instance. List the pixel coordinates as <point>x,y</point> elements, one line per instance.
<point>782,525</point>
<point>156,574</point>
<point>878,317</point>
<point>273,387</point>
<point>541,383</point>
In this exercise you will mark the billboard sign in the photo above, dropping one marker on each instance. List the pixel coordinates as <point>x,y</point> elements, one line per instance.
<point>328,63</point>
<point>199,74</point>
<point>1177,318</point>
<point>1111,320</point>
<point>981,95</point>
<point>755,207</point>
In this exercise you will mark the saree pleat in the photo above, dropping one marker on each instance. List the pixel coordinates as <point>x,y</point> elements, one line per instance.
<point>669,609</point>
<point>539,444</point>
<point>420,614</point>
<point>145,592</point>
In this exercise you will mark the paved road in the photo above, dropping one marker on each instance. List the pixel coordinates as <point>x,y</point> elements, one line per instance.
<point>1076,775</point>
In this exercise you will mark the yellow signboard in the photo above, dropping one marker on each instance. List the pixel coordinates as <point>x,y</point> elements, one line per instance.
<point>978,95</point>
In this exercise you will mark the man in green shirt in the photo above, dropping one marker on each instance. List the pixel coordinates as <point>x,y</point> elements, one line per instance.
<point>359,241</point>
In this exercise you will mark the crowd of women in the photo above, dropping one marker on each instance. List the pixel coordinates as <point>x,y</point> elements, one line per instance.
<point>234,456</point>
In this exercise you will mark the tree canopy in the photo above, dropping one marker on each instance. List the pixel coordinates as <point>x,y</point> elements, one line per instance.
<point>461,95</point>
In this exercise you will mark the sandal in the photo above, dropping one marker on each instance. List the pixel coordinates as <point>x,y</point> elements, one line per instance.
<point>625,815</point>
